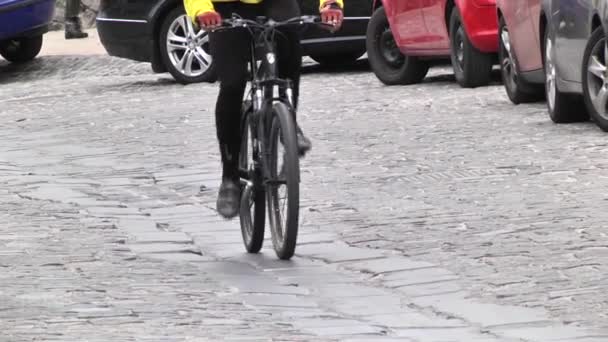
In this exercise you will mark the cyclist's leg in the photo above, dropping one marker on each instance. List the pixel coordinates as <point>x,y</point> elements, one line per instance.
<point>230,50</point>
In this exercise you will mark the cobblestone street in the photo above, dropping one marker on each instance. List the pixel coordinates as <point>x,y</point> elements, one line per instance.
<point>430,213</point>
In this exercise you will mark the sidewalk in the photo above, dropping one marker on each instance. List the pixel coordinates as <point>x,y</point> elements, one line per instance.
<point>56,44</point>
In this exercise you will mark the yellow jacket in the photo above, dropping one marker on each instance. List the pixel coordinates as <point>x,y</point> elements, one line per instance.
<point>197,7</point>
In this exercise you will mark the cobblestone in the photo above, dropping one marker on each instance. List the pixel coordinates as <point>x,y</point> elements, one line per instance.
<point>430,213</point>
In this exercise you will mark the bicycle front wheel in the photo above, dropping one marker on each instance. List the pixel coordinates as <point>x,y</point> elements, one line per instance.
<point>283,186</point>
<point>253,204</point>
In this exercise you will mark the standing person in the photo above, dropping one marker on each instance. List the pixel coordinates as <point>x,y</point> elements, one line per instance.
<point>73,26</point>
<point>230,49</point>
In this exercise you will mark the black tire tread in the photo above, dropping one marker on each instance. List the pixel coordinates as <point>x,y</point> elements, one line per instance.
<point>255,224</point>
<point>523,92</point>
<point>284,119</point>
<point>477,70</point>
<point>29,48</point>
<point>569,108</point>
<point>413,70</point>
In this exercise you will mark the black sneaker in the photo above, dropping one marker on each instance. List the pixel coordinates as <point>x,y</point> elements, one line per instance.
<point>73,29</point>
<point>304,144</point>
<point>229,198</point>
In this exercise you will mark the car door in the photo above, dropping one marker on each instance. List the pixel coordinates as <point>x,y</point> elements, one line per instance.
<point>407,24</point>
<point>434,18</point>
<point>571,20</point>
<point>520,27</point>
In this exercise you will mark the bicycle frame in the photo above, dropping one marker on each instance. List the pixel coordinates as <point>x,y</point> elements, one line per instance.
<point>266,89</point>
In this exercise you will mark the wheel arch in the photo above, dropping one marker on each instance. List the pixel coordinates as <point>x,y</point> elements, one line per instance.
<point>595,22</point>
<point>449,7</point>
<point>157,15</point>
<point>542,29</point>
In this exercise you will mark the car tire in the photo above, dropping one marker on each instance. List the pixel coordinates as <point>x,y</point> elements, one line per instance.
<point>563,107</point>
<point>338,59</point>
<point>388,63</point>
<point>21,50</point>
<point>518,90</point>
<point>472,68</point>
<point>184,50</point>
<point>595,89</point>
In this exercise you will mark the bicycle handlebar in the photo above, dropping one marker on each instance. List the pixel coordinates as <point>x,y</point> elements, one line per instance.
<point>269,23</point>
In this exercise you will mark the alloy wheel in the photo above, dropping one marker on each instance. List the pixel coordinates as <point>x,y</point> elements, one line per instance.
<point>459,45</point>
<point>509,68</point>
<point>188,48</point>
<point>597,80</point>
<point>389,50</point>
<point>551,77</point>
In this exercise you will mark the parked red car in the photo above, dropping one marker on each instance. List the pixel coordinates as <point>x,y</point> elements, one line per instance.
<point>403,36</point>
<point>520,51</point>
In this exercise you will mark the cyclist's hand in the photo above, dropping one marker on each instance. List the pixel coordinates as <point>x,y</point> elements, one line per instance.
<point>331,14</point>
<point>209,20</point>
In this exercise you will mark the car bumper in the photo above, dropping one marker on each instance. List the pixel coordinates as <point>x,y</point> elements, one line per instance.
<point>125,38</point>
<point>25,18</point>
<point>481,24</point>
<point>349,39</point>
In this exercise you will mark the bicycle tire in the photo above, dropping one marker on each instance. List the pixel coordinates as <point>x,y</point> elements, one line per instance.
<point>287,175</point>
<point>252,209</point>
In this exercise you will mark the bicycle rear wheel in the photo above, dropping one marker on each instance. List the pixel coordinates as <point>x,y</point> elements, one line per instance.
<point>283,187</point>
<point>253,205</point>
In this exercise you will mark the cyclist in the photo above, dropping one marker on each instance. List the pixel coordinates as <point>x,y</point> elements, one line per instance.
<point>231,52</point>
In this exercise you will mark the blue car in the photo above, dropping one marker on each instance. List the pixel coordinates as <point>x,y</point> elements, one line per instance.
<point>22,24</point>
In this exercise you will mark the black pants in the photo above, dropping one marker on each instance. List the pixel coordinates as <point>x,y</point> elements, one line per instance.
<point>231,51</point>
<point>72,8</point>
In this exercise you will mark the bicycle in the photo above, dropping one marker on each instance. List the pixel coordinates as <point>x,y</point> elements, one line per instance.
<point>269,160</point>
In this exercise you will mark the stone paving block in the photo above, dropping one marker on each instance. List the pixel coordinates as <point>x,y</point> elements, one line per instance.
<point>447,335</point>
<point>413,320</point>
<point>375,339</point>
<point>349,290</point>
<point>140,225</point>
<point>279,300</point>
<point>325,322</point>
<point>551,333</point>
<point>388,264</point>
<point>228,268</point>
<point>268,262</point>
<point>418,276</point>
<point>362,306</point>
<point>337,252</point>
<point>433,289</point>
<point>163,248</point>
<point>343,331</point>
<point>177,257</point>
<point>159,237</point>
<point>483,314</point>
<point>315,238</point>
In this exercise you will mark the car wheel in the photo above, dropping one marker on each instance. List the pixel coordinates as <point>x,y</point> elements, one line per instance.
<point>388,63</point>
<point>518,90</point>
<point>472,67</point>
<point>184,49</point>
<point>563,107</point>
<point>337,59</point>
<point>21,50</point>
<point>595,81</point>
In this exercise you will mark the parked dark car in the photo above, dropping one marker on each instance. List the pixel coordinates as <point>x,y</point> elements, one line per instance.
<point>22,24</point>
<point>157,31</point>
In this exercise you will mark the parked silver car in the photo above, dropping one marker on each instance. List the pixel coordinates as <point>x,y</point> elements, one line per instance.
<point>576,59</point>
